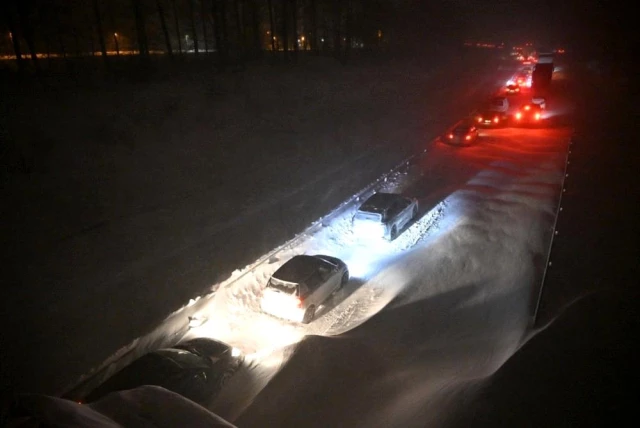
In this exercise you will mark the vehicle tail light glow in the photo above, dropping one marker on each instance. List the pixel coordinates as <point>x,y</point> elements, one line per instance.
<point>480,119</point>
<point>527,107</point>
<point>518,115</point>
<point>450,136</point>
<point>298,302</point>
<point>537,116</point>
<point>496,119</point>
<point>468,137</point>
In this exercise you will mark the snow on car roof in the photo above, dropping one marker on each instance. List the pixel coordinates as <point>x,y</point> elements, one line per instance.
<point>379,202</point>
<point>298,268</point>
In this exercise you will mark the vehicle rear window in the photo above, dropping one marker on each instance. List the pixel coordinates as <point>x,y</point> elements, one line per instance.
<point>368,216</point>
<point>285,287</point>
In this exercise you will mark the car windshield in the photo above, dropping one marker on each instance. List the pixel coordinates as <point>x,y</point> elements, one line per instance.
<point>461,130</point>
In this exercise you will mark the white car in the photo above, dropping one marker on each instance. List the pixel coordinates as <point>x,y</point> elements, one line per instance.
<point>384,215</point>
<point>296,290</point>
<point>500,104</point>
<point>541,101</point>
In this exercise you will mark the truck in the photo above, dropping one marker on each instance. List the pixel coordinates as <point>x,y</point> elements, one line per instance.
<point>542,73</point>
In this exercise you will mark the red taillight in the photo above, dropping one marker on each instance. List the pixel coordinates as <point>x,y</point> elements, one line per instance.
<point>537,116</point>
<point>527,107</point>
<point>468,137</point>
<point>298,302</point>
<point>480,119</point>
<point>496,119</point>
<point>518,115</point>
<point>450,135</point>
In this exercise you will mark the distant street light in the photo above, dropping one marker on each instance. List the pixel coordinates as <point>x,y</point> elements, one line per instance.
<point>115,39</point>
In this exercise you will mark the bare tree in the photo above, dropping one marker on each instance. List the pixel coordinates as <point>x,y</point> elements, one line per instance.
<point>255,25</point>
<point>27,32</point>
<point>14,35</point>
<point>348,31</point>
<point>103,45</point>
<point>177,24</point>
<point>285,34</point>
<point>143,45</point>
<point>314,27</point>
<point>204,25</point>
<point>294,18</point>
<point>337,23</point>
<point>272,27</point>
<point>193,26</point>
<point>239,28</point>
<point>165,30</point>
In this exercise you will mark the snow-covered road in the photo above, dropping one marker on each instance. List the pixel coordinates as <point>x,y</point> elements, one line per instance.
<point>447,302</point>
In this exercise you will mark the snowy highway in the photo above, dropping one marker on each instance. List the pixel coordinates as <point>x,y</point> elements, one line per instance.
<point>423,316</point>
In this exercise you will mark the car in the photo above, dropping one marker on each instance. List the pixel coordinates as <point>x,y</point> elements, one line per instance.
<point>296,290</point>
<point>384,215</point>
<point>491,119</point>
<point>462,134</point>
<point>540,101</point>
<point>196,369</point>
<point>500,104</point>
<point>528,114</point>
<point>512,89</point>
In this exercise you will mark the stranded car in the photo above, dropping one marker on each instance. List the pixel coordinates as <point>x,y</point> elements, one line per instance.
<point>301,285</point>
<point>462,134</point>
<point>512,89</point>
<point>528,114</point>
<point>540,101</point>
<point>491,119</point>
<point>196,369</point>
<point>384,215</point>
<point>500,104</point>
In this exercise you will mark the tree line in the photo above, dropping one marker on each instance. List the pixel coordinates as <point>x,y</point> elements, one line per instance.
<point>230,30</point>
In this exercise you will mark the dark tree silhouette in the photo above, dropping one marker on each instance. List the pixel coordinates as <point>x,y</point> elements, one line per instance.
<point>165,30</point>
<point>103,46</point>
<point>272,27</point>
<point>143,45</point>
<point>204,25</point>
<point>337,23</point>
<point>239,29</point>
<point>13,33</point>
<point>314,27</point>
<point>177,24</point>
<point>294,18</point>
<point>255,25</point>
<point>285,34</point>
<point>193,26</point>
<point>27,32</point>
<point>348,31</point>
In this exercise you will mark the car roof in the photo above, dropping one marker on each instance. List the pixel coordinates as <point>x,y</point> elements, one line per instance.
<point>299,268</point>
<point>463,127</point>
<point>379,202</point>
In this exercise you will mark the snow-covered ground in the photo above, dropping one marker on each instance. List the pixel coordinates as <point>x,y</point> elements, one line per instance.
<point>142,197</point>
<point>447,302</point>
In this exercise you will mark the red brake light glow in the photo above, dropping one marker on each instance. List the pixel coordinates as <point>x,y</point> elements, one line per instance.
<point>527,107</point>
<point>518,115</point>
<point>450,135</point>
<point>496,119</point>
<point>537,116</point>
<point>468,137</point>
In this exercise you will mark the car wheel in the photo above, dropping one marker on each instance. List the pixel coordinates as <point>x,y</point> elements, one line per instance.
<point>309,314</point>
<point>394,233</point>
